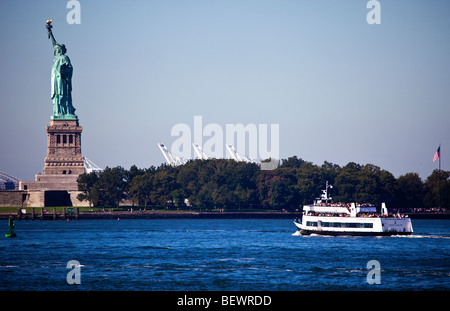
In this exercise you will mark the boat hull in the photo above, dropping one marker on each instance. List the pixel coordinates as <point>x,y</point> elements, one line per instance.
<point>376,226</point>
<point>349,233</point>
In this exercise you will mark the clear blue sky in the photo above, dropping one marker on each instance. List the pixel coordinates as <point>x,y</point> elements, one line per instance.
<point>340,89</point>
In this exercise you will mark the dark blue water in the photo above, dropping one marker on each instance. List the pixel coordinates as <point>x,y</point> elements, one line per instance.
<point>218,255</point>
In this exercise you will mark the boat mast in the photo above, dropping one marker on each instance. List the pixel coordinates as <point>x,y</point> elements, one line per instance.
<point>325,192</point>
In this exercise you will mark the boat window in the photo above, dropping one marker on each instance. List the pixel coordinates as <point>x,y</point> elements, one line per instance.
<point>311,223</point>
<point>341,224</point>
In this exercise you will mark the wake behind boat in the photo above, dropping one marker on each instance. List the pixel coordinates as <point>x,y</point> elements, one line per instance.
<point>327,218</point>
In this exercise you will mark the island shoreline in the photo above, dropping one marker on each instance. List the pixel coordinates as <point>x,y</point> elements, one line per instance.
<point>180,215</point>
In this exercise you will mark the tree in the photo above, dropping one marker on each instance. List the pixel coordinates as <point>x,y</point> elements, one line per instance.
<point>263,181</point>
<point>86,183</point>
<point>292,162</point>
<point>177,197</point>
<point>110,187</point>
<point>410,191</point>
<point>225,183</point>
<point>346,182</point>
<point>328,172</point>
<point>389,189</point>
<point>309,182</point>
<point>164,182</point>
<point>141,188</point>
<point>130,174</point>
<point>368,185</point>
<point>281,194</point>
<point>204,198</point>
<point>437,190</point>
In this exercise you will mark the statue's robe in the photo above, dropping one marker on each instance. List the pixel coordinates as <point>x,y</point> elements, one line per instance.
<point>61,82</point>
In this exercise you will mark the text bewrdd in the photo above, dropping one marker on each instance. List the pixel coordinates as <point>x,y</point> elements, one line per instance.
<point>246,300</point>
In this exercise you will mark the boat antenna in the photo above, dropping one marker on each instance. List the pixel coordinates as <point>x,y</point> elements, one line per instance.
<point>325,192</point>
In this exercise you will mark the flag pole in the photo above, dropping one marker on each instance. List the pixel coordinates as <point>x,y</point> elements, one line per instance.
<point>439,184</point>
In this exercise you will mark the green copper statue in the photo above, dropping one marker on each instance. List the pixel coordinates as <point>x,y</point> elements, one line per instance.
<point>61,83</point>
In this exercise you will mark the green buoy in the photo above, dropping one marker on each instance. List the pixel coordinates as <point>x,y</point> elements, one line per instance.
<point>11,233</point>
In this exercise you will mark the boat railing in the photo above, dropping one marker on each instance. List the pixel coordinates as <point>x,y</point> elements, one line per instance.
<point>365,215</point>
<point>339,204</point>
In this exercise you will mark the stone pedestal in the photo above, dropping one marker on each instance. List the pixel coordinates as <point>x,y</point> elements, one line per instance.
<point>63,148</point>
<point>57,185</point>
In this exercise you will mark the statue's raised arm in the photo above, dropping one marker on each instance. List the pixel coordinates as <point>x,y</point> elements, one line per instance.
<point>50,33</point>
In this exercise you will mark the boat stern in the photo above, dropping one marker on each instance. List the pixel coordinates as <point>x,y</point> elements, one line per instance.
<point>397,225</point>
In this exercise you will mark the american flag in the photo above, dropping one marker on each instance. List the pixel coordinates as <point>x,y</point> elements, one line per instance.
<point>437,154</point>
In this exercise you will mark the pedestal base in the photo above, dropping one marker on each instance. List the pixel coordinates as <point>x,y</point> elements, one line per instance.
<point>64,148</point>
<point>57,185</point>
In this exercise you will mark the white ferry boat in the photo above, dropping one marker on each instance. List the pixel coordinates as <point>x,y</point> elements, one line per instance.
<point>327,218</point>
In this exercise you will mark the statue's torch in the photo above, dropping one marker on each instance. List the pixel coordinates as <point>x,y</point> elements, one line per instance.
<point>49,27</point>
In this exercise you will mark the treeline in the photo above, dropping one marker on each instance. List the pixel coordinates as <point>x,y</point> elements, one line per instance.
<point>227,184</point>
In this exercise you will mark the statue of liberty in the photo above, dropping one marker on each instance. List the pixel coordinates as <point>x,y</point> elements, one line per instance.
<point>61,82</point>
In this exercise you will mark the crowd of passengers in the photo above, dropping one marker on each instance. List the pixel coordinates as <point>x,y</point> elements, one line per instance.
<point>309,213</point>
<point>339,204</point>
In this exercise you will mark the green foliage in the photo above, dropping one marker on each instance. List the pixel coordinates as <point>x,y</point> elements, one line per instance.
<point>437,189</point>
<point>107,188</point>
<point>86,183</point>
<point>227,184</point>
<point>411,190</point>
